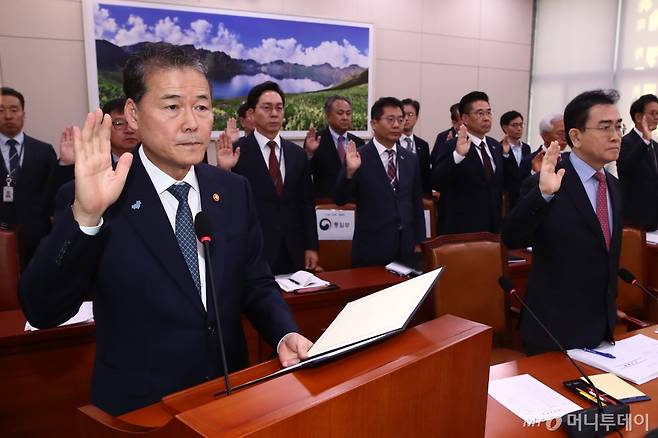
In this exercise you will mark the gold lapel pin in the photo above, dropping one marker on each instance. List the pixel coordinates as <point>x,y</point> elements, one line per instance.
<point>215,197</point>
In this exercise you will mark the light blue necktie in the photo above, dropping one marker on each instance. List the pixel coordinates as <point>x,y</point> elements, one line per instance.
<point>185,231</point>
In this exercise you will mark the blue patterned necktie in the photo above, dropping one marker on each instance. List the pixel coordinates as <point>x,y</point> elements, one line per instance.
<point>14,159</point>
<point>185,231</point>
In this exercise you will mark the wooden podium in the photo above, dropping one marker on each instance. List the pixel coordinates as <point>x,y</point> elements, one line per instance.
<point>430,380</point>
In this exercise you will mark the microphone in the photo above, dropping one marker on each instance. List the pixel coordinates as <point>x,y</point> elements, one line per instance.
<point>203,231</point>
<point>592,422</point>
<point>629,278</point>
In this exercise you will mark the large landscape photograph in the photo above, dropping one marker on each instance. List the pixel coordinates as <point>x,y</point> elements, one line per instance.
<point>310,60</point>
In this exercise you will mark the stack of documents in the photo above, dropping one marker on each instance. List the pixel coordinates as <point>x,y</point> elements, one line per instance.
<point>529,399</point>
<point>85,314</point>
<point>635,359</point>
<point>300,280</point>
<point>652,236</point>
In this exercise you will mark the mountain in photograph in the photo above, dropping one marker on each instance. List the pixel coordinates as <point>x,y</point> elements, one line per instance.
<point>221,67</point>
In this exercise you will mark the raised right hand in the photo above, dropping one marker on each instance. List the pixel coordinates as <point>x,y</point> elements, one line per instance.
<point>97,184</point>
<point>646,133</point>
<point>550,180</point>
<point>312,141</point>
<point>227,157</point>
<point>463,142</point>
<point>352,159</point>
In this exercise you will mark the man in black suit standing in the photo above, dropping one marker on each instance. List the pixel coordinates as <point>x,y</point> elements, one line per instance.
<point>512,124</point>
<point>471,172</point>
<point>280,177</point>
<point>27,172</point>
<point>638,171</point>
<point>415,144</point>
<point>327,149</point>
<point>384,181</point>
<point>450,133</point>
<point>572,219</point>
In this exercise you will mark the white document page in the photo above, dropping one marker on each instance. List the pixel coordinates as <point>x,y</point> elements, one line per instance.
<point>636,358</point>
<point>375,314</point>
<point>529,399</point>
<point>86,313</point>
<point>652,236</point>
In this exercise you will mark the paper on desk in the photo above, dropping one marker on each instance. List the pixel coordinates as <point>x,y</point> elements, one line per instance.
<point>288,286</point>
<point>636,358</point>
<point>529,399</point>
<point>652,236</point>
<point>86,313</point>
<point>615,387</point>
<point>375,314</point>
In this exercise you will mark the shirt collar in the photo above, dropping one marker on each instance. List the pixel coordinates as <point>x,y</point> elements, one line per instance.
<point>639,133</point>
<point>476,140</point>
<point>161,181</point>
<point>262,140</point>
<point>584,170</point>
<point>519,145</point>
<point>403,136</point>
<point>335,136</point>
<point>20,138</point>
<point>381,148</point>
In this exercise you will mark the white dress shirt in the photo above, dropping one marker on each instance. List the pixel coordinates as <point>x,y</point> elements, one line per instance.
<point>383,155</point>
<point>476,141</point>
<point>403,142</point>
<point>517,150</point>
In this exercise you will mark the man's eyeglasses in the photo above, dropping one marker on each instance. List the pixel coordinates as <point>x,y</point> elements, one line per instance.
<point>392,119</point>
<point>481,114</point>
<point>410,114</point>
<point>610,129</point>
<point>517,125</point>
<point>119,125</point>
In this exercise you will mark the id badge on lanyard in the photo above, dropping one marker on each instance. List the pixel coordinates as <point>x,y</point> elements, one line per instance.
<point>8,191</point>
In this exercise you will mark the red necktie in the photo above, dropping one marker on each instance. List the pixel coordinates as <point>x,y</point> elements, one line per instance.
<point>602,207</point>
<point>486,162</point>
<point>391,169</point>
<point>275,171</point>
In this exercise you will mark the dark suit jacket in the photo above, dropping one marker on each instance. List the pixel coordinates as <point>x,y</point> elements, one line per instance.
<point>441,138</point>
<point>153,335</point>
<point>289,219</point>
<point>33,193</point>
<point>639,182</point>
<point>468,203</point>
<point>326,164</point>
<point>572,285</point>
<point>525,168</point>
<point>424,164</point>
<point>515,185</point>
<point>388,223</point>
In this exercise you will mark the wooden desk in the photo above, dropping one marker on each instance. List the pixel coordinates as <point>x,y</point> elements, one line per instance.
<point>552,369</point>
<point>44,376</point>
<point>49,371</point>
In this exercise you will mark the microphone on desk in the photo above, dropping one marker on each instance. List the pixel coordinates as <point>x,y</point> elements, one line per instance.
<point>593,422</point>
<point>203,230</point>
<point>629,278</point>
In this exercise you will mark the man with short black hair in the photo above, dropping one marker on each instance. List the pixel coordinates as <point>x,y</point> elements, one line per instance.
<point>637,165</point>
<point>570,213</point>
<point>244,118</point>
<point>126,234</point>
<point>326,149</point>
<point>123,138</point>
<point>280,177</point>
<point>512,125</point>
<point>415,144</point>
<point>26,175</point>
<point>450,133</point>
<point>471,172</point>
<point>383,180</point>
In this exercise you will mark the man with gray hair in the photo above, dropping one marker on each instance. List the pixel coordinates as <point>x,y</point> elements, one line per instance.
<point>156,328</point>
<point>326,149</point>
<point>551,128</point>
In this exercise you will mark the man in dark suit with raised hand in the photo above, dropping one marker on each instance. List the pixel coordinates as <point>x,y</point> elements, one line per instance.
<point>471,172</point>
<point>27,172</point>
<point>450,133</point>
<point>279,174</point>
<point>512,125</point>
<point>126,235</point>
<point>637,165</point>
<point>326,149</point>
<point>384,181</point>
<point>572,219</point>
<point>415,144</point>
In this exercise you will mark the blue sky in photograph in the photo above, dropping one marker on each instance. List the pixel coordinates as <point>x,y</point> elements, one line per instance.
<point>261,39</point>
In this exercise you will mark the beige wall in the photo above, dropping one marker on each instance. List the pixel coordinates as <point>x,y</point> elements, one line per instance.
<point>430,50</point>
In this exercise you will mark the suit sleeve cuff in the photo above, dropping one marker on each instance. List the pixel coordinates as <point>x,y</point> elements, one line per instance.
<point>92,231</point>
<point>278,346</point>
<point>458,158</point>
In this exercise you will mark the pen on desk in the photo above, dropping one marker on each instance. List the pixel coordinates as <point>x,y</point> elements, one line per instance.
<point>589,396</point>
<point>600,353</point>
<point>295,281</point>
